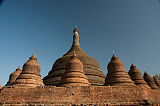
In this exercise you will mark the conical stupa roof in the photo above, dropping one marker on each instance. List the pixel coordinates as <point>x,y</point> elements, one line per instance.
<point>157,82</point>
<point>149,80</point>
<point>74,74</point>
<point>117,74</point>
<point>13,76</point>
<point>91,67</point>
<point>30,75</point>
<point>136,76</point>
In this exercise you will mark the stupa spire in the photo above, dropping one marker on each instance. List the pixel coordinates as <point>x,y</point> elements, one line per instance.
<point>75,37</point>
<point>33,57</point>
<point>19,68</point>
<point>114,56</point>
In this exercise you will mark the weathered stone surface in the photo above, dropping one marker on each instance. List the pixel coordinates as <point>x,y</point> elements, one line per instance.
<point>156,82</point>
<point>30,75</point>
<point>13,76</point>
<point>74,74</point>
<point>149,80</point>
<point>136,76</point>
<point>117,74</point>
<point>91,95</point>
<point>91,67</point>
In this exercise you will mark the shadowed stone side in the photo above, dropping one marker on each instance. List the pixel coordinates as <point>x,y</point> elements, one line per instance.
<point>30,75</point>
<point>149,80</point>
<point>74,74</point>
<point>90,66</point>
<point>13,76</point>
<point>136,76</point>
<point>157,82</point>
<point>117,74</point>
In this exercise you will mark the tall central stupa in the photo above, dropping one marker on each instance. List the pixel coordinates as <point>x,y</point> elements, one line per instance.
<point>91,67</point>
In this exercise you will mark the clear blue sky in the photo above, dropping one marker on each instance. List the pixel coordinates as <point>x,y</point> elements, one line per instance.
<point>129,27</point>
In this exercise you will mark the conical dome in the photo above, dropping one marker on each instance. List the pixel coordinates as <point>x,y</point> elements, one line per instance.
<point>30,75</point>
<point>156,82</point>
<point>74,74</point>
<point>149,80</point>
<point>13,76</point>
<point>136,76</point>
<point>117,74</point>
<point>90,65</point>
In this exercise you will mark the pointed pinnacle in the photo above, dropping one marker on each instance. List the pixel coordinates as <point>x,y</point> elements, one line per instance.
<point>75,29</point>
<point>19,68</point>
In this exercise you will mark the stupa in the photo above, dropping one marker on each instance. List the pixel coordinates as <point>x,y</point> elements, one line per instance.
<point>149,80</point>
<point>13,76</point>
<point>74,74</point>
<point>30,75</point>
<point>91,67</point>
<point>136,76</point>
<point>117,75</point>
<point>156,82</point>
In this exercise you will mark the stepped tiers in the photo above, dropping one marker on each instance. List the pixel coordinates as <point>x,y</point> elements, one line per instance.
<point>13,76</point>
<point>156,82</point>
<point>90,66</point>
<point>117,75</point>
<point>149,80</point>
<point>74,74</point>
<point>30,75</point>
<point>136,76</point>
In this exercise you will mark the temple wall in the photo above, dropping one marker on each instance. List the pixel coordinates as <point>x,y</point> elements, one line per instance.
<point>79,95</point>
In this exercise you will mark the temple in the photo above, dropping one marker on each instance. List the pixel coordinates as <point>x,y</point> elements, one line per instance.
<point>76,79</point>
<point>90,66</point>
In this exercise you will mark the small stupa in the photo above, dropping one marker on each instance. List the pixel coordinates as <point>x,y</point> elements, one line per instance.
<point>156,82</point>
<point>136,76</point>
<point>13,76</point>
<point>30,75</point>
<point>117,74</point>
<point>74,74</point>
<point>149,80</point>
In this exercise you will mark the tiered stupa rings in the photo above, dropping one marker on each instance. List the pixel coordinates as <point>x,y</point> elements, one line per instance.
<point>13,76</point>
<point>91,67</point>
<point>136,76</point>
<point>156,82</point>
<point>117,75</point>
<point>74,74</point>
<point>149,80</point>
<point>30,75</point>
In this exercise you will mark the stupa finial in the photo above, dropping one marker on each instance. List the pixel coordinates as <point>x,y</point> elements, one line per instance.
<point>33,57</point>
<point>19,68</point>
<point>75,29</point>
<point>114,56</point>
